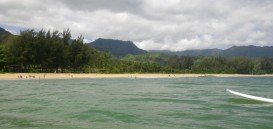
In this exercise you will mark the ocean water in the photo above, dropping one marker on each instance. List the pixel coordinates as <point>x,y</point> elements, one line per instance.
<point>190,103</point>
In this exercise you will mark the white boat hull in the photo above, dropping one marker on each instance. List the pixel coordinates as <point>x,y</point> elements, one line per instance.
<point>250,96</point>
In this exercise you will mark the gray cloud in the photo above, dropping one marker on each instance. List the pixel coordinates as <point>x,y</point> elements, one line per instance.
<point>115,6</point>
<point>151,24</point>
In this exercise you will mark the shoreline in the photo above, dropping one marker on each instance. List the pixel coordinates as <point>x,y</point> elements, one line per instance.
<point>24,76</point>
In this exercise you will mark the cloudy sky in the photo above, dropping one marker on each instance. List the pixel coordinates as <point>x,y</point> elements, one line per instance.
<point>150,24</point>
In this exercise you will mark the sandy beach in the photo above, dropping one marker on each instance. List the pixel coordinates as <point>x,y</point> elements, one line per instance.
<point>94,75</point>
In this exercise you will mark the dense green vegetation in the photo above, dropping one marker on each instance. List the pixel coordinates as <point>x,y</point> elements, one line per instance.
<point>46,51</point>
<point>53,51</point>
<point>207,64</point>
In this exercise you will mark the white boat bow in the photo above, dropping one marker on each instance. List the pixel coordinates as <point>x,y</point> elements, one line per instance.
<point>250,96</point>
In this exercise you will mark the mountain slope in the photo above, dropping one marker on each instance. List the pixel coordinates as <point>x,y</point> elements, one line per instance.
<point>195,52</point>
<point>116,47</point>
<point>248,51</point>
<point>202,52</point>
<point>4,32</point>
<point>4,35</point>
<point>235,51</point>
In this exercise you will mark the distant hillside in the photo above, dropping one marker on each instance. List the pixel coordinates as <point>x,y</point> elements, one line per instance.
<point>166,52</point>
<point>4,35</point>
<point>248,51</point>
<point>3,31</point>
<point>196,52</point>
<point>204,52</point>
<point>235,51</point>
<point>116,47</point>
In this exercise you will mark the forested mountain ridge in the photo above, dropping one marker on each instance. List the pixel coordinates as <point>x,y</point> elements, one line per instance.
<point>203,52</point>
<point>235,51</point>
<point>248,51</point>
<point>118,48</point>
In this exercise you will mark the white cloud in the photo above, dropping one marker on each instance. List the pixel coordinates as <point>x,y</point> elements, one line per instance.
<point>151,24</point>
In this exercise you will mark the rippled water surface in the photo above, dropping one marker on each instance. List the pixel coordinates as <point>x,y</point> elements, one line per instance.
<point>135,103</point>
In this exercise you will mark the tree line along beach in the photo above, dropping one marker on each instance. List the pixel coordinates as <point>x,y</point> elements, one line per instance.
<point>19,76</point>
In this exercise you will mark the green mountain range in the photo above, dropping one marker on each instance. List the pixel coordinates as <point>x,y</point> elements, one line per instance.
<point>248,51</point>
<point>235,51</point>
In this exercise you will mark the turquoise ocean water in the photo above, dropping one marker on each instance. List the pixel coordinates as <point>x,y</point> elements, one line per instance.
<point>124,103</point>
